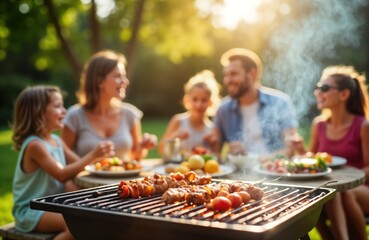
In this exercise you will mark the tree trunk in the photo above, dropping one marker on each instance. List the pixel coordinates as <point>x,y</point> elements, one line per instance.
<point>132,43</point>
<point>95,30</point>
<point>67,50</point>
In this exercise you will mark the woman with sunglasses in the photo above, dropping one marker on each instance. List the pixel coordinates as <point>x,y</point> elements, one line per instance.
<point>343,130</point>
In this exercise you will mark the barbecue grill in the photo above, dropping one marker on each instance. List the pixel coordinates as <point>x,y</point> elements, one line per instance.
<point>285,212</point>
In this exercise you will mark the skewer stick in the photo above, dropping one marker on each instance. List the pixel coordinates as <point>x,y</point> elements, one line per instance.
<point>319,186</point>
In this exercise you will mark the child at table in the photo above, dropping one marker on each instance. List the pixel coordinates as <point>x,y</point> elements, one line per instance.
<point>193,127</point>
<point>45,165</point>
<point>343,130</point>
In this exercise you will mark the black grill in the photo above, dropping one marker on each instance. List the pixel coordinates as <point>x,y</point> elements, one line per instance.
<point>285,212</point>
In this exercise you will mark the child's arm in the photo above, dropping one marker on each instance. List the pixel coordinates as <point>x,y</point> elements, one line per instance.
<point>71,156</point>
<point>37,156</point>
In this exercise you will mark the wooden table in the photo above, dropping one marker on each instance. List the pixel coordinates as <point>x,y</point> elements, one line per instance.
<point>346,177</point>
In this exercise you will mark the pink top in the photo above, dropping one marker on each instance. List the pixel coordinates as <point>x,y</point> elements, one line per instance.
<point>348,147</point>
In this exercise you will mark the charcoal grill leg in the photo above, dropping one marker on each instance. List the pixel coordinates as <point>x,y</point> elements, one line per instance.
<point>305,237</point>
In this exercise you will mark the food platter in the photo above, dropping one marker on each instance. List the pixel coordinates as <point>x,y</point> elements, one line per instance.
<point>337,161</point>
<point>292,175</point>
<point>224,170</point>
<point>108,173</point>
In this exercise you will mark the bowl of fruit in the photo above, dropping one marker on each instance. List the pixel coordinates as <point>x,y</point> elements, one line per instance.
<point>201,161</point>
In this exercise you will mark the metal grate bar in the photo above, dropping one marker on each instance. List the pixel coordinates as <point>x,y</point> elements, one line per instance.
<point>144,208</point>
<point>126,204</point>
<point>277,202</point>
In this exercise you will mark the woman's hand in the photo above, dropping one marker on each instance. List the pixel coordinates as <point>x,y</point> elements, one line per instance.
<point>149,141</point>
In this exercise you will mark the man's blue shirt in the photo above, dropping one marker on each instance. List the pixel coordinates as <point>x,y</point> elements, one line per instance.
<point>275,114</point>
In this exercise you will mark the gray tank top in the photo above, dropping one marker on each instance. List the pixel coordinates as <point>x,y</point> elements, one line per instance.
<point>87,139</point>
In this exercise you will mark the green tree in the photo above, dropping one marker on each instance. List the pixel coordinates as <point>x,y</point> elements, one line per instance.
<point>165,42</point>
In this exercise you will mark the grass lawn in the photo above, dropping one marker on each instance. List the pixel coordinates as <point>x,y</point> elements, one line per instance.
<point>9,157</point>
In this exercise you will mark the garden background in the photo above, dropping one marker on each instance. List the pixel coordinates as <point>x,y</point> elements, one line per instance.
<point>168,41</point>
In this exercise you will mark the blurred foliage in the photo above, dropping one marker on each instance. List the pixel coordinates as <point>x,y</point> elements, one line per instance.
<point>174,41</point>
<point>11,85</point>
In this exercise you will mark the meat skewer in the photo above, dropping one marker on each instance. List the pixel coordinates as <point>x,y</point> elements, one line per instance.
<point>203,194</point>
<point>158,184</point>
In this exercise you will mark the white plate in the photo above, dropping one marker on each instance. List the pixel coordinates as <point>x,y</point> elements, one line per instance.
<point>106,173</point>
<point>224,170</point>
<point>292,175</point>
<point>337,161</point>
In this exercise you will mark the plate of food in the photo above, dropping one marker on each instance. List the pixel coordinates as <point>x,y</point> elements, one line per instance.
<point>330,160</point>
<point>297,167</point>
<point>171,167</point>
<point>337,161</point>
<point>258,169</point>
<point>115,167</point>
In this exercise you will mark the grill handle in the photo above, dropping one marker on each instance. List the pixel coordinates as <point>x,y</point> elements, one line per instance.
<point>319,186</point>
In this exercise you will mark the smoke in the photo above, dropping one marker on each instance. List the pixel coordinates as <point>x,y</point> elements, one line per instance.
<point>295,59</point>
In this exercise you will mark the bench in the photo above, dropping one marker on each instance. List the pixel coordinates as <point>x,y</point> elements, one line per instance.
<point>8,231</point>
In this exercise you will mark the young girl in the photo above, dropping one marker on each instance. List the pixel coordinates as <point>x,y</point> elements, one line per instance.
<point>343,130</point>
<point>193,127</point>
<point>101,114</point>
<point>45,164</point>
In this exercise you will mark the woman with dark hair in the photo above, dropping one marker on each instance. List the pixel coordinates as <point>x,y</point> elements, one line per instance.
<point>343,130</point>
<point>101,114</point>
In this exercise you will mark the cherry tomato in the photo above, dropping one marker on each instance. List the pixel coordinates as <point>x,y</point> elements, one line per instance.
<point>221,203</point>
<point>235,199</point>
<point>245,196</point>
<point>223,193</point>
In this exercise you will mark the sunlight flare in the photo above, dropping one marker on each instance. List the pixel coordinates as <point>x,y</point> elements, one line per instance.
<point>230,13</point>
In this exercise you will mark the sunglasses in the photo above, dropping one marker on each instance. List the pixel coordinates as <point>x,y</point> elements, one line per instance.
<point>325,87</point>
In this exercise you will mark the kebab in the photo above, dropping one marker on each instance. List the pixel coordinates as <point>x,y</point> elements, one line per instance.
<point>204,194</point>
<point>158,184</point>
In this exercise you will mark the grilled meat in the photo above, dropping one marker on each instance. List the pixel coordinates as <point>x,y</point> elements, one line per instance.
<point>203,194</point>
<point>158,184</point>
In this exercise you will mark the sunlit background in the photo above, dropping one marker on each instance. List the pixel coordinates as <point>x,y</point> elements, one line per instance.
<point>172,40</point>
<point>231,12</point>
<point>168,41</point>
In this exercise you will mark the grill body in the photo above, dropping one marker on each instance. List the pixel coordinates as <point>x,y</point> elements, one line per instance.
<point>285,212</point>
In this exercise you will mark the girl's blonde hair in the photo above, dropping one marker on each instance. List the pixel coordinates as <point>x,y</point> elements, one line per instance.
<point>346,77</point>
<point>95,70</point>
<point>205,80</point>
<point>29,110</point>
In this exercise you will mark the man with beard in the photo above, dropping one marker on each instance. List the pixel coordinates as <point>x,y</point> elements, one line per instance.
<point>252,118</point>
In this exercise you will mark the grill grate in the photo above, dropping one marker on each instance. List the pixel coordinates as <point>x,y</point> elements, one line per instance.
<point>277,202</point>
<point>284,212</point>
